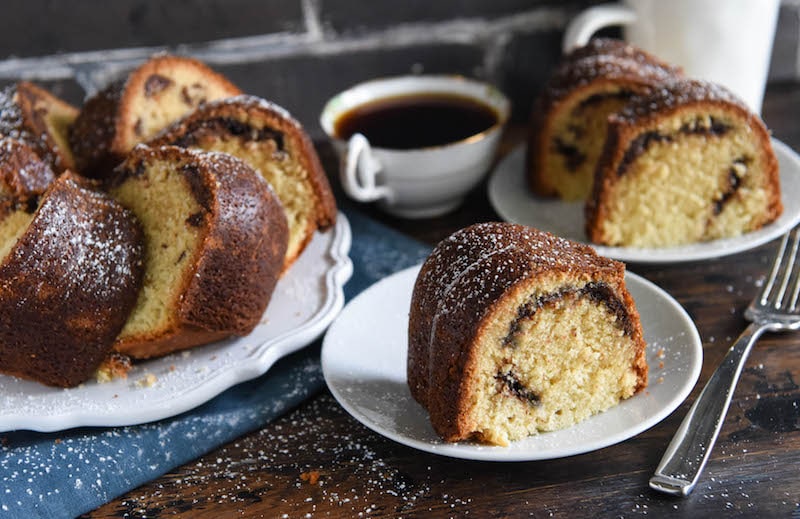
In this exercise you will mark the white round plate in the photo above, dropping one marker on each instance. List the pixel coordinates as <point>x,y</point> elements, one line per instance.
<point>304,303</point>
<point>364,363</point>
<point>510,197</point>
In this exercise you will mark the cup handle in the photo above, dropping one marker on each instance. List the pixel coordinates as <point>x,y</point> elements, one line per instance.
<point>591,20</point>
<point>358,175</point>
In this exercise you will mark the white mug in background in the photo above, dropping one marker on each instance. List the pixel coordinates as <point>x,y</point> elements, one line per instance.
<point>419,182</point>
<point>727,42</point>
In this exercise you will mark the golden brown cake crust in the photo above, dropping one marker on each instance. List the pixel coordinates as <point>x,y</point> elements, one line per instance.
<point>643,112</point>
<point>619,48</point>
<point>92,135</point>
<point>236,267</point>
<point>67,285</point>
<point>602,64</point>
<point>23,176</point>
<point>680,92</point>
<point>105,130</point>
<point>463,279</point>
<point>23,111</point>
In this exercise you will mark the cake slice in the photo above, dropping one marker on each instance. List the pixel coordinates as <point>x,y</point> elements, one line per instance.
<point>687,163</point>
<point>24,176</point>
<point>41,120</point>
<point>134,109</point>
<point>514,331</point>
<point>270,140</point>
<point>70,272</point>
<point>568,125</point>
<point>215,238</point>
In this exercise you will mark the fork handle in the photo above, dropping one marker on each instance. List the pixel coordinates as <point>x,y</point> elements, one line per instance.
<point>691,446</point>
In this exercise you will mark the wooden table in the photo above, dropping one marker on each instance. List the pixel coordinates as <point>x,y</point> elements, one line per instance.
<point>317,461</point>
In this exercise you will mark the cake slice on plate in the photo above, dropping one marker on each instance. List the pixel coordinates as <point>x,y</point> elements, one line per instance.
<point>514,331</point>
<point>687,163</point>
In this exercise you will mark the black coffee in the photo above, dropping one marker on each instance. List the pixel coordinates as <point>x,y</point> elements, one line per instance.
<point>416,121</point>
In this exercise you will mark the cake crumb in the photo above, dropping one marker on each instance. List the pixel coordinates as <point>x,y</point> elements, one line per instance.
<point>312,476</point>
<point>113,367</point>
<point>148,380</point>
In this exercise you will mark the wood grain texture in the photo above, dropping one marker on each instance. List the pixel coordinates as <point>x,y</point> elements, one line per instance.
<point>752,471</point>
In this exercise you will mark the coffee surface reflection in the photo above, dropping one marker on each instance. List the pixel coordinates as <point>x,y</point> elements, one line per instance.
<point>416,121</point>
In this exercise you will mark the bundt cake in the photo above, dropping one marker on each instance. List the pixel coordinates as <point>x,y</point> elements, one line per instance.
<point>273,143</point>
<point>686,163</point>
<point>568,125</point>
<point>134,109</point>
<point>215,239</point>
<point>70,272</point>
<point>23,176</point>
<point>513,331</point>
<point>41,120</point>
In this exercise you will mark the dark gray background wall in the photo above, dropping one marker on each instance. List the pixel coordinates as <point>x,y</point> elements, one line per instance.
<point>299,53</point>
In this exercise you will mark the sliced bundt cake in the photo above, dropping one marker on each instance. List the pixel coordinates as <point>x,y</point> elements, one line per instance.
<point>568,125</point>
<point>272,142</point>
<point>132,110</point>
<point>41,120</point>
<point>24,176</point>
<point>514,331</point>
<point>70,272</point>
<point>685,164</point>
<point>215,238</point>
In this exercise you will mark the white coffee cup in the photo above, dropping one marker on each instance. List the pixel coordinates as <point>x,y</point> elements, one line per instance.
<point>420,182</point>
<point>724,41</point>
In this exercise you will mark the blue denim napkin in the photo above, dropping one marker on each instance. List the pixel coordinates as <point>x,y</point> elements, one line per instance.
<point>67,473</point>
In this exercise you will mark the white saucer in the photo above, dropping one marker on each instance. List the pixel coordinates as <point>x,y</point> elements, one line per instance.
<point>510,197</point>
<point>364,363</point>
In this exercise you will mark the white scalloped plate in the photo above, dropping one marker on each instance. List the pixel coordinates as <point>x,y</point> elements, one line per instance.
<point>364,363</point>
<point>304,303</point>
<point>510,197</point>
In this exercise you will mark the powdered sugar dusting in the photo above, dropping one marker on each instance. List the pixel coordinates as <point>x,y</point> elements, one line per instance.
<point>626,68</point>
<point>250,102</point>
<point>229,478</point>
<point>93,245</point>
<point>675,93</point>
<point>17,125</point>
<point>472,267</point>
<point>12,122</point>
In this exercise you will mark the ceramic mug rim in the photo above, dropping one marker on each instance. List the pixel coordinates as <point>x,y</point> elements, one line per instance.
<point>481,91</point>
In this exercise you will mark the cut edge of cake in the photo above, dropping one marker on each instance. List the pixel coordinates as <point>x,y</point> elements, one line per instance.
<point>268,138</point>
<point>213,256</point>
<point>687,163</point>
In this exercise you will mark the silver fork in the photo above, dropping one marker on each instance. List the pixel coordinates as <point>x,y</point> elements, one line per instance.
<point>774,309</point>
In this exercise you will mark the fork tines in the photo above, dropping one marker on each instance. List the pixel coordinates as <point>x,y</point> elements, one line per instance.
<point>785,272</point>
